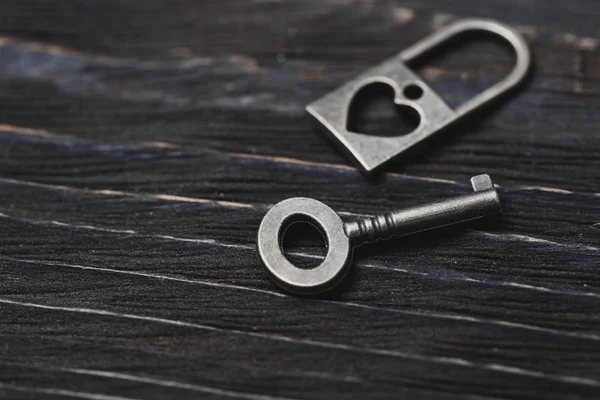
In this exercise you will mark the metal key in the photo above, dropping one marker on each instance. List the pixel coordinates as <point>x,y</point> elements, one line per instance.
<point>342,237</point>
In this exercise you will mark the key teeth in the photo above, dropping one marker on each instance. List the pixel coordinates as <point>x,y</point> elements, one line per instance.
<point>481,183</point>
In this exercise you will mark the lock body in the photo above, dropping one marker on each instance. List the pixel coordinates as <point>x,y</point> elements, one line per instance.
<point>370,152</point>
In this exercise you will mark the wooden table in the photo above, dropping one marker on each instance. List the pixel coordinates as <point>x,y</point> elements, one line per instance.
<point>142,142</point>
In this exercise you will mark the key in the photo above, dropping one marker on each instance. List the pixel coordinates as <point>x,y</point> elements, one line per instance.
<point>342,237</point>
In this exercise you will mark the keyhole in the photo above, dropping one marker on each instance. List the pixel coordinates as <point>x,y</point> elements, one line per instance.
<point>303,243</point>
<point>373,111</point>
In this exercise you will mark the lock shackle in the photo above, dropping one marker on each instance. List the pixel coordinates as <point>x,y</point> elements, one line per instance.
<point>508,34</point>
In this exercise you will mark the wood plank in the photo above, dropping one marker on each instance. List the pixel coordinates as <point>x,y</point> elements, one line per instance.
<point>223,177</point>
<point>143,144</point>
<point>419,298</point>
<point>95,297</point>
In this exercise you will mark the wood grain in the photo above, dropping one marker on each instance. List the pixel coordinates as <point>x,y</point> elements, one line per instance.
<point>142,144</point>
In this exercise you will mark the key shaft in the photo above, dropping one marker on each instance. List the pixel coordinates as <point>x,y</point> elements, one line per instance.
<point>484,201</point>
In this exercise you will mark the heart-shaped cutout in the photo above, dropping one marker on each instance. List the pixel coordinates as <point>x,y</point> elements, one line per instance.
<point>373,112</point>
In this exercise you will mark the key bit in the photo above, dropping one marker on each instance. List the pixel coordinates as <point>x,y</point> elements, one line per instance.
<point>342,237</point>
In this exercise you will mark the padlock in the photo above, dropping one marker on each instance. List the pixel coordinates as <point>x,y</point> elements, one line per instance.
<point>371,152</point>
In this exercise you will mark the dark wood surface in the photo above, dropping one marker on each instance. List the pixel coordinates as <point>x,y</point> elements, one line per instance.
<point>142,141</point>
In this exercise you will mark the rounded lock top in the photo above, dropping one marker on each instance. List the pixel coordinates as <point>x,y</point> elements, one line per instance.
<point>285,274</point>
<point>500,30</point>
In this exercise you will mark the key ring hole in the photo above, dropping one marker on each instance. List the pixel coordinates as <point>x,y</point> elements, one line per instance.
<point>413,91</point>
<point>303,242</point>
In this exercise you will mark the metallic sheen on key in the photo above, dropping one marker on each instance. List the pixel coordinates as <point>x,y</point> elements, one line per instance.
<point>343,237</point>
